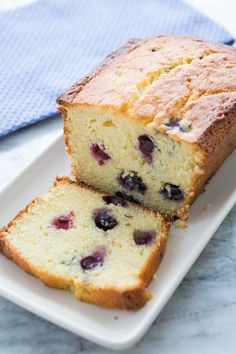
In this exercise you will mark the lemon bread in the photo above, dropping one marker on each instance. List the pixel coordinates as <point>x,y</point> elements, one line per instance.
<point>154,121</point>
<point>100,247</point>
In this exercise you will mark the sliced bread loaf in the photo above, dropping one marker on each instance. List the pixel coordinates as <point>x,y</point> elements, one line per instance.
<point>154,121</point>
<point>103,249</point>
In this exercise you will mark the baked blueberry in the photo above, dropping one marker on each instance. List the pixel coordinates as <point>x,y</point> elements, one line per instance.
<point>93,260</point>
<point>64,222</point>
<point>173,123</point>
<point>112,199</point>
<point>172,192</point>
<point>99,154</point>
<point>183,125</point>
<point>144,237</point>
<point>132,182</point>
<point>146,146</point>
<point>104,220</point>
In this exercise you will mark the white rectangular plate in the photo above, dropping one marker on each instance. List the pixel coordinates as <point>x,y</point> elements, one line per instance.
<point>96,324</point>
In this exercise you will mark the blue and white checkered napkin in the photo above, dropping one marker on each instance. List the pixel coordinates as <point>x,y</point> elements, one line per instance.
<point>48,45</point>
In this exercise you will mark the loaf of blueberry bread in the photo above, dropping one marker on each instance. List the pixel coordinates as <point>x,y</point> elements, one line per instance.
<point>154,121</point>
<point>102,248</point>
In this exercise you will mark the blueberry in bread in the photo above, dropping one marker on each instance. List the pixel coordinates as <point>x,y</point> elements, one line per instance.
<point>154,121</point>
<point>102,248</point>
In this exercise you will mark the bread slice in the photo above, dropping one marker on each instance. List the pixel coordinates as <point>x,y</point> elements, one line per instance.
<point>154,121</point>
<point>101,248</point>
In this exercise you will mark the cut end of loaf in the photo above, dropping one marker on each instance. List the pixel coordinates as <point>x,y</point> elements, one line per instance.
<point>131,159</point>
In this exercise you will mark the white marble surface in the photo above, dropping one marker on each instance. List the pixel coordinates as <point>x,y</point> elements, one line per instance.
<point>200,317</point>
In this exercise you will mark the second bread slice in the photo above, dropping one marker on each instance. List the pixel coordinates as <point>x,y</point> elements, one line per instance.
<point>102,248</point>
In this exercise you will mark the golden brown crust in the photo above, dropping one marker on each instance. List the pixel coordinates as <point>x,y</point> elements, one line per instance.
<point>69,96</point>
<point>154,260</point>
<point>18,216</point>
<point>129,299</point>
<point>218,141</point>
<point>159,78</point>
<point>66,129</point>
<point>48,279</point>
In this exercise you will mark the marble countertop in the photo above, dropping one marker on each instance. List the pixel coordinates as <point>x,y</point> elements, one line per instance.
<point>201,315</point>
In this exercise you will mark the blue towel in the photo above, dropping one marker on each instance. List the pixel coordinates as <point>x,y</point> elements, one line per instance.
<point>48,45</point>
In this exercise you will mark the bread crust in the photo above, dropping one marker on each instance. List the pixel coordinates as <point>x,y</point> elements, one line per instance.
<point>217,142</point>
<point>68,98</point>
<point>109,297</point>
<point>190,66</point>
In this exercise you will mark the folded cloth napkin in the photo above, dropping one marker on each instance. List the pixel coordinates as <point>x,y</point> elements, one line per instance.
<point>48,45</point>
